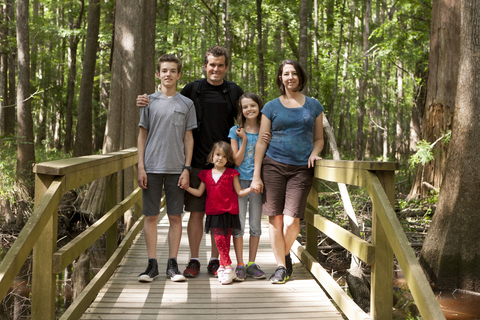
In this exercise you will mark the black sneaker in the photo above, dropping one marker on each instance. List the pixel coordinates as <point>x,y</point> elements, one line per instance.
<point>193,269</point>
<point>172,271</point>
<point>213,266</point>
<point>151,272</point>
<point>279,276</point>
<point>288,265</point>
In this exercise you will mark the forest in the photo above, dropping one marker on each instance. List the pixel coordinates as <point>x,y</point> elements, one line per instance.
<point>386,72</point>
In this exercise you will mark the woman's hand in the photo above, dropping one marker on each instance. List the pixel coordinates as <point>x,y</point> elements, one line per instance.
<point>256,185</point>
<point>312,159</point>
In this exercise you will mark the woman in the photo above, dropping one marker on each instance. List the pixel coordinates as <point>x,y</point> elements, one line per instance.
<point>296,122</point>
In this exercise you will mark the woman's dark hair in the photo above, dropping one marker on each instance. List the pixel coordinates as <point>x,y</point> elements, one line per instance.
<point>226,148</point>
<point>255,97</point>
<point>302,76</point>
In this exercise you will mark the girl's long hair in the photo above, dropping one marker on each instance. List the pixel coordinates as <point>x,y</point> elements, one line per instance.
<point>255,97</point>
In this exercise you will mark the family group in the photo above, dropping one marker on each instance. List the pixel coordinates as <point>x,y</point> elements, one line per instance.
<point>216,150</point>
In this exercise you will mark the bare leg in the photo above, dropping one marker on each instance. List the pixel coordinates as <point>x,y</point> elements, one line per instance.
<point>174,235</point>
<point>238,245</point>
<point>275,229</point>
<point>253,247</point>
<point>195,232</point>
<point>150,232</point>
<point>291,228</point>
<point>214,252</point>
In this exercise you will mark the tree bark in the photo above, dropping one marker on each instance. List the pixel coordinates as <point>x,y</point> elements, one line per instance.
<point>81,274</point>
<point>83,140</point>
<point>450,253</point>
<point>261,67</point>
<point>3,67</point>
<point>9,128</point>
<point>25,146</point>
<point>441,89</point>
<point>303,41</point>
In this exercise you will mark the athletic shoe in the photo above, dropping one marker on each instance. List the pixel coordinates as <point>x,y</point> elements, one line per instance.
<point>240,273</point>
<point>150,273</point>
<point>279,276</point>
<point>193,269</point>
<point>172,271</point>
<point>288,265</point>
<point>228,276</point>
<point>213,267</point>
<point>220,272</point>
<point>255,272</point>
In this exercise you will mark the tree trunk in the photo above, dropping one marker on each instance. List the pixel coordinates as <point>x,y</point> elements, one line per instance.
<point>83,140</point>
<point>261,67</point>
<point>303,41</point>
<point>3,67</point>
<point>450,253</point>
<point>81,274</point>
<point>441,90</point>
<point>9,113</point>
<point>363,86</point>
<point>25,147</point>
<point>72,75</point>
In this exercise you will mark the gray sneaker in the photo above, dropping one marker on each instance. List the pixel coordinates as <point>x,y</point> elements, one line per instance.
<point>240,273</point>
<point>255,272</point>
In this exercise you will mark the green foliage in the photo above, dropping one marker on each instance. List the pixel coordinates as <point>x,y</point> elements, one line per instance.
<point>425,152</point>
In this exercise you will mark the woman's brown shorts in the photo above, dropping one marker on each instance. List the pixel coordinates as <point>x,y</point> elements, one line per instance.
<point>286,188</point>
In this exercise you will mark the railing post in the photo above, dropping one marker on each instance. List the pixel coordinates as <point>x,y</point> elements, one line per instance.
<point>381,298</point>
<point>311,236</point>
<point>110,202</point>
<point>43,282</point>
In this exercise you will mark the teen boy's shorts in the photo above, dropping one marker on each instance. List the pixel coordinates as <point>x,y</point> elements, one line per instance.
<point>286,188</point>
<point>192,203</point>
<point>152,196</point>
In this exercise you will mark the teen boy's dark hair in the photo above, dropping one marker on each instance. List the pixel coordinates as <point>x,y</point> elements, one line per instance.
<point>169,58</point>
<point>302,76</point>
<point>249,95</point>
<point>226,148</point>
<point>217,52</point>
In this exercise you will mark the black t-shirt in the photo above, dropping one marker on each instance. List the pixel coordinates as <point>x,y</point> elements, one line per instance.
<point>216,120</point>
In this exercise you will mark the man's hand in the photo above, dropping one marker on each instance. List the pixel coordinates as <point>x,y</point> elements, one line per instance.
<point>142,101</point>
<point>142,178</point>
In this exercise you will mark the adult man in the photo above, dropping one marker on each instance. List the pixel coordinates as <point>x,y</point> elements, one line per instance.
<point>215,102</point>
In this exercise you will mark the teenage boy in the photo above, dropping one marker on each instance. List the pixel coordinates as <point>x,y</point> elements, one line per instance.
<point>165,147</point>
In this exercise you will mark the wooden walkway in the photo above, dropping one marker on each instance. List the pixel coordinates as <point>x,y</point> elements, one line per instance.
<point>123,297</point>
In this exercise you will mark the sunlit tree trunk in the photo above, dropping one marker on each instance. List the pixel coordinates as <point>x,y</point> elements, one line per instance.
<point>9,113</point>
<point>441,90</point>
<point>303,42</point>
<point>261,68</point>
<point>451,253</point>
<point>3,67</point>
<point>25,146</point>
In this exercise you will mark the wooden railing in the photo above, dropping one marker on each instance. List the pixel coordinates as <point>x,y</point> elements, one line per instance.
<point>388,239</point>
<point>52,180</point>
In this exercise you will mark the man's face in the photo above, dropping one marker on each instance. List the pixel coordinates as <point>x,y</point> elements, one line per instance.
<point>168,74</point>
<point>216,70</point>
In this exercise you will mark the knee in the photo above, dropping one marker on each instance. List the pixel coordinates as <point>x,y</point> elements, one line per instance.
<point>151,219</point>
<point>255,232</point>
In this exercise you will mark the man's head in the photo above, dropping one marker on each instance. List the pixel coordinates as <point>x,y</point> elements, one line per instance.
<point>216,64</point>
<point>169,68</point>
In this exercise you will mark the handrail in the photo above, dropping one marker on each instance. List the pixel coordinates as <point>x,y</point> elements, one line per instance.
<point>388,238</point>
<point>52,180</point>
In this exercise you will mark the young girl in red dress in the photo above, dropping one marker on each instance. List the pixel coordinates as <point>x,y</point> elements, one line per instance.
<point>222,185</point>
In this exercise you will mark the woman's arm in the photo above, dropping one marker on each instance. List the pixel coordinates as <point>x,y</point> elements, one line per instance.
<point>238,188</point>
<point>318,141</point>
<point>260,149</point>
<point>197,192</point>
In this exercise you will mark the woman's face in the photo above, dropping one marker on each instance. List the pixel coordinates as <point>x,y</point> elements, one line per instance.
<point>289,77</point>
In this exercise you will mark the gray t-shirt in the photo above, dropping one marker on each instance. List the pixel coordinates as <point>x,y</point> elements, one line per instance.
<point>167,120</point>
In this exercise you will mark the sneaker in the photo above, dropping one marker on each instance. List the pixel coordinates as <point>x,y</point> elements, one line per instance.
<point>279,276</point>
<point>228,276</point>
<point>213,267</point>
<point>172,271</point>
<point>150,273</point>
<point>193,269</point>
<point>220,272</point>
<point>288,265</point>
<point>240,273</point>
<point>255,272</point>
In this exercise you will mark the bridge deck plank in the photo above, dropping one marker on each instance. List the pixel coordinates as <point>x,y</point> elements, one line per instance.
<point>123,297</point>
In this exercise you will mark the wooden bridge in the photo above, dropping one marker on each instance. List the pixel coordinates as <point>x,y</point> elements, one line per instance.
<point>121,297</point>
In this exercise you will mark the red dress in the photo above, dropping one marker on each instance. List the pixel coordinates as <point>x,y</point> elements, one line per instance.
<point>221,205</point>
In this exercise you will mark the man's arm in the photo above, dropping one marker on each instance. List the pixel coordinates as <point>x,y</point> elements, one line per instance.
<point>141,174</point>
